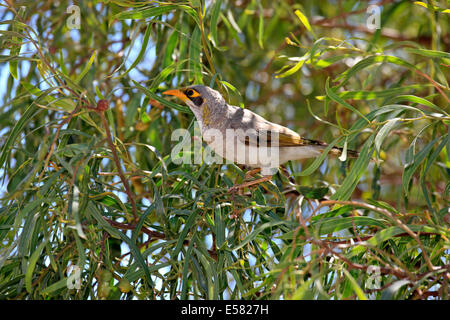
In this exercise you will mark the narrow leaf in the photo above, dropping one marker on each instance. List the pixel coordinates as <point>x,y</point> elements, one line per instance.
<point>303,19</point>
<point>333,96</point>
<point>214,22</point>
<point>86,68</point>
<point>32,264</point>
<point>412,166</point>
<point>384,131</point>
<point>351,181</point>
<point>195,67</point>
<point>261,25</point>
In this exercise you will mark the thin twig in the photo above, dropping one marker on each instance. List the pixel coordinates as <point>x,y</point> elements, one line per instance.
<point>389,215</point>
<point>101,112</point>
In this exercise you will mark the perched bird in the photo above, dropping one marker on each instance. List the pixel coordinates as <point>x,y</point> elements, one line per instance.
<point>241,136</point>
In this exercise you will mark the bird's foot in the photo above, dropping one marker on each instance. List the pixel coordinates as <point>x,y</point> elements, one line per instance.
<point>251,173</point>
<point>243,185</point>
<point>234,216</point>
<point>286,173</point>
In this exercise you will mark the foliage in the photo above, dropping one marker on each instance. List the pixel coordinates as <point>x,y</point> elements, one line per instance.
<point>88,179</point>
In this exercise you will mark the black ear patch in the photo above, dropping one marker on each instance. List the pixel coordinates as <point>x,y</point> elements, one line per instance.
<point>197,101</point>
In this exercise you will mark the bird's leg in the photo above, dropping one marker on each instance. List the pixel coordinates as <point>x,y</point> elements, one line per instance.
<point>251,173</point>
<point>287,174</point>
<point>249,183</point>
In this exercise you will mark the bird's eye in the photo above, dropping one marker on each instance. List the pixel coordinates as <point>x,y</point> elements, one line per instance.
<point>189,92</point>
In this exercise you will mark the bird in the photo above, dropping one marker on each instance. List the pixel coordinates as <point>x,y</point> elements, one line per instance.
<point>246,138</point>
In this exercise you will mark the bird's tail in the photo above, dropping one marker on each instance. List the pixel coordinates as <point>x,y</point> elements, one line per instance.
<point>336,151</point>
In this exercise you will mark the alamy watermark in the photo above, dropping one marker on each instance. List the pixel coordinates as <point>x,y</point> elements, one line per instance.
<point>373,21</point>
<point>374,279</point>
<point>74,20</point>
<point>74,278</point>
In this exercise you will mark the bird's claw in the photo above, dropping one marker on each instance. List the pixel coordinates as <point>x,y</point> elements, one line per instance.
<point>234,189</point>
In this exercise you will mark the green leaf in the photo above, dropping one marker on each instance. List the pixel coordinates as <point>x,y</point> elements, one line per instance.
<point>32,264</point>
<point>429,53</point>
<point>209,273</point>
<point>388,233</point>
<point>333,96</point>
<point>295,68</point>
<point>133,276</point>
<point>54,287</point>
<point>326,62</point>
<point>232,28</point>
<point>325,224</point>
<point>17,42</point>
<point>430,161</point>
<point>313,193</point>
<point>356,288</point>
<point>141,221</point>
<point>220,226</point>
<point>418,100</point>
<point>370,61</point>
<point>261,25</point>
<point>257,231</point>
<point>170,47</point>
<point>304,20</point>
<point>187,260</point>
<point>86,68</point>
<point>214,22</point>
<point>318,161</point>
<point>159,206</point>
<point>383,132</point>
<point>351,181</point>
<point>195,66</point>
<point>303,292</point>
<point>432,7</point>
<point>138,256</point>
<point>391,290</point>
<point>334,224</point>
<point>26,117</point>
<point>372,94</point>
<point>411,167</point>
<point>182,236</point>
<point>154,11</point>
<point>141,52</point>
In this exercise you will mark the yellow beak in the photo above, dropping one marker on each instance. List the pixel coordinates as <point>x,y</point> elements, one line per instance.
<point>177,93</point>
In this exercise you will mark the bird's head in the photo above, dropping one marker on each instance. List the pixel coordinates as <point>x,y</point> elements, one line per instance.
<point>202,100</point>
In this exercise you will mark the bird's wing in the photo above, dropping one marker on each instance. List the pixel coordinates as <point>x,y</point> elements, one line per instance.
<point>256,131</point>
<point>277,139</point>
